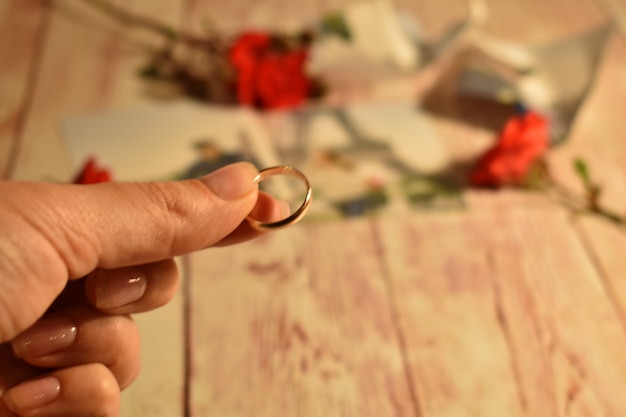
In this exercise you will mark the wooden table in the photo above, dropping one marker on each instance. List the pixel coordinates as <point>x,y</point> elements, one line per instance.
<point>511,307</point>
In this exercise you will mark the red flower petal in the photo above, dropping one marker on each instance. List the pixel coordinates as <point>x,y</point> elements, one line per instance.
<point>282,82</point>
<point>248,50</point>
<point>266,78</point>
<point>91,173</point>
<point>523,140</point>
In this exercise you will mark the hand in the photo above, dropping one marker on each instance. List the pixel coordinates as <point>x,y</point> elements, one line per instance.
<point>68,345</point>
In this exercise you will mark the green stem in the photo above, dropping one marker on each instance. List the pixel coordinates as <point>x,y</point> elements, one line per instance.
<point>572,201</point>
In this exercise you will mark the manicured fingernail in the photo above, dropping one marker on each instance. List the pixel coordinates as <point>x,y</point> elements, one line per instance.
<point>113,289</point>
<point>31,395</point>
<point>45,337</point>
<point>232,181</point>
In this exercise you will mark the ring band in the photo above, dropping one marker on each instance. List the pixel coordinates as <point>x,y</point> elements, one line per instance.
<point>295,216</point>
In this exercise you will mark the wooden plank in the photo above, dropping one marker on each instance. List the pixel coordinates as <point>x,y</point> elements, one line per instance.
<point>22,23</point>
<point>616,9</point>
<point>297,323</point>
<point>457,354</point>
<point>567,299</point>
<point>503,314</point>
<point>537,21</point>
<point>235,16</point>
<point>160,387</point>
<point>433,18</point>
<point>599,139</point>
<point>89,64</point>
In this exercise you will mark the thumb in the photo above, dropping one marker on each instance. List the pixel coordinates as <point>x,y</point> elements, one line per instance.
<point>50,233</point>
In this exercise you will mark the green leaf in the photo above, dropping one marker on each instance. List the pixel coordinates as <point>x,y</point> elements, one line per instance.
<point>170,33</point>
<point>335,24</point>
<point>149,71</point>
<point>583,172</point>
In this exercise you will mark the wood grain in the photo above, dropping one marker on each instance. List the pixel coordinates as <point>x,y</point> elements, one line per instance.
<point>235,16</point>
<point>599,140</point>
<point>22,28</point>
<point>490,306</point>
<point>296,324</point>
<point>89,64</point>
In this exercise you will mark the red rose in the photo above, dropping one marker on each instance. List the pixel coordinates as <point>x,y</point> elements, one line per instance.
<point>281,82</point>
<point>91,173</point>
<point>268,78</point>
<point>245,55</point>
<point>521,143</point>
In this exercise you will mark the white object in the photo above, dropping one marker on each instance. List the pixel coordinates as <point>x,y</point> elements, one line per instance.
<point>376,29</point>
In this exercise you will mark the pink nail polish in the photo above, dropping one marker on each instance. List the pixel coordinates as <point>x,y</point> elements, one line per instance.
<point>33,394</point>
<point>118,288</point>
<point>45,337</point>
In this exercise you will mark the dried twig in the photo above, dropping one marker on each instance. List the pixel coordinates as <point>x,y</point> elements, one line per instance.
<point>124,16</point>
<point>581,205</point>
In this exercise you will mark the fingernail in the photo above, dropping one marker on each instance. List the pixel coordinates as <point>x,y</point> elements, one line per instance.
<point>232,181</point>
<point>31,395</point>
<point>113,289</point>
<point>45,337</point>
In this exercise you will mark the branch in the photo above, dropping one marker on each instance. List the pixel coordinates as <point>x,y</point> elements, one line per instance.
<point>578,205</point>
<point>122,15</point>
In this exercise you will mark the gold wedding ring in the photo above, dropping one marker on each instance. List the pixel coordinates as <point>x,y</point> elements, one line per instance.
<point>295,216</point>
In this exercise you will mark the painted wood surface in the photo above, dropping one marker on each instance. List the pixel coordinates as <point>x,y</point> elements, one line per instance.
<point>299,323</point>
<point>495,296</point>
<point>510,308</point>
<point>23,26</point>
<point>88,64</point>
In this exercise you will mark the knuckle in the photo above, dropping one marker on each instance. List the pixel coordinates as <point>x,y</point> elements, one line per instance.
<point>172,198</point>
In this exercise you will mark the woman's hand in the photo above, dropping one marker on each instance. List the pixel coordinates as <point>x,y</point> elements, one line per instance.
<point>68,345</point>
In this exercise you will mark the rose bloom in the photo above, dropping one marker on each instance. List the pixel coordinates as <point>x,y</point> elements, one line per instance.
<point>245,55</point>
<point>267,78</point>
<point>521,143</point>
<point>91,173</point>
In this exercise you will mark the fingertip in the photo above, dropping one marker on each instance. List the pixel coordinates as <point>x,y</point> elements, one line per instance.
<point>78,391</point>
<point>79,337</point>
<point>232,181</point>
<point>108,290</point>
<point>132,290</point>
<point>266,209</point>
<point>48,335</point>
<point>33,394</point>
